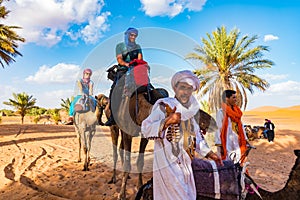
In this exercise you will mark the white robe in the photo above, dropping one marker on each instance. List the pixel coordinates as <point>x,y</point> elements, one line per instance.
<point>173,176</point>
<point>232,140</point>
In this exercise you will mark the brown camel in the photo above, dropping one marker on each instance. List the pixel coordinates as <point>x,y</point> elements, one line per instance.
<point>85,127</point>
<point>290,191</point>
<point>139,109</point>
<point>254,133</point>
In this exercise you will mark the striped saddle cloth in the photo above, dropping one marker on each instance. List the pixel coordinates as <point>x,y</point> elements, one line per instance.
<point>218,182</point>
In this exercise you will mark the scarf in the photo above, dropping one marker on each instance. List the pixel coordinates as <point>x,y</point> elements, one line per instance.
<point>186,113</point>
<point>235,116</point>
<point>86,80</point>
<point>130,45</point>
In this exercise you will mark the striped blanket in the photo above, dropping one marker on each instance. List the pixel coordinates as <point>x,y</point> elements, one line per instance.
<point>219,182</point>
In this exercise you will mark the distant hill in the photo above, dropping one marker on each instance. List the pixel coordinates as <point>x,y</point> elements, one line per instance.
<point>265,109</point>
<point>273,112</point>
<point>274,108</point>
<point>283,117</point>
<point>293,108</point>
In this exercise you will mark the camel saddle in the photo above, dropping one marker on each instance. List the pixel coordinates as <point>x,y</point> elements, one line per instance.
<point>218,182</point>
<point>84,104</point>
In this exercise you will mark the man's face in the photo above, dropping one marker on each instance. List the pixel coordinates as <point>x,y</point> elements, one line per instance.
<point>132,37</point>
<point>183,92</point>
<point>231,100</point>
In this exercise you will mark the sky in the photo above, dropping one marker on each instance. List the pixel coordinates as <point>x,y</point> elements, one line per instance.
<point>65,36</point>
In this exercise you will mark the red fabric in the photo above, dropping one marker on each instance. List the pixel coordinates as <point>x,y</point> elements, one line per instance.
<point>140,72</point>
<point>235,116</point>
<point>136,62</point>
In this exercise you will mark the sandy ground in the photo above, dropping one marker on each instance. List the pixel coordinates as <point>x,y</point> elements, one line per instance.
<point>40,161</point>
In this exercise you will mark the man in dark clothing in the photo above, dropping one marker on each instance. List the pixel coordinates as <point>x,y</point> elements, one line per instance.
<point>270,127</point>
<point>126,52</point>
<point>265,132</point>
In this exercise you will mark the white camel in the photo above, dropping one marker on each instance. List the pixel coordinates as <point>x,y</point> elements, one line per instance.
<point>85,127</point>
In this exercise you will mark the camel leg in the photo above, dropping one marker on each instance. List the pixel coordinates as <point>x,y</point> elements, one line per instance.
<point>79,147</point>
<point>121,149</point>
<point>126,166</point>
<point>91,134</point>
<point>140,161</point>
<point>114,132</point>
<point>85,150</point>
<point>85,165</point>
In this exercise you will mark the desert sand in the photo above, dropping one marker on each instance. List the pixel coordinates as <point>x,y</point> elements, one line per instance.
<point>39,161</point>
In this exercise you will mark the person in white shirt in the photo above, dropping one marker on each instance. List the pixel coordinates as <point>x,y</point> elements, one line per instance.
<point>173,127</point>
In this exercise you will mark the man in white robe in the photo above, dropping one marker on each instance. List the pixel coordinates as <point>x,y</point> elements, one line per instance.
<point>174,132</point>
<point>230,138</point>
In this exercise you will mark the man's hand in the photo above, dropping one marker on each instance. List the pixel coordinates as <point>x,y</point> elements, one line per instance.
<point>172,118</point>
<point>220,150</point>
<point>216,158</point>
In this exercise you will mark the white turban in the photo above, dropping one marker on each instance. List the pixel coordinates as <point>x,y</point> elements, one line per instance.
<point>186,76</point>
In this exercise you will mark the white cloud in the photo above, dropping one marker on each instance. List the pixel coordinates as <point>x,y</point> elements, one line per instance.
<point>46,22</point>
<point>60,73</point>
<point>285,88</point>
<point>194,5</point>
<point>170,8</point>
<point>161,80</point>
<point>274,76</point>
<point>52,99</point>
<point>6,94</point>
<point>270,37</point>
<point>91,32</point>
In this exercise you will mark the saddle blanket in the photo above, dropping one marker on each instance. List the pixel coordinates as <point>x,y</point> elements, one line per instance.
<point>219,182</point>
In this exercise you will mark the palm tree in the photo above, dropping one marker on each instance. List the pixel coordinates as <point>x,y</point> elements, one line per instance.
<point>22,103</point>
<point>204,105</point>
<point>54,113</point>
<point>230,63</point>
<point>8,39</point>
<point>66,103</point>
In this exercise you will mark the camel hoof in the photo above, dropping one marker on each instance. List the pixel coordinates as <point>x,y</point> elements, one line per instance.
<point>112,180</point>
<point>121,197</point>
<point>85,168</point>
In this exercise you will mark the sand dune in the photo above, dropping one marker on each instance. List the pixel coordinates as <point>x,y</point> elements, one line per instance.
<point>265,109</point>
<point>39,161</point>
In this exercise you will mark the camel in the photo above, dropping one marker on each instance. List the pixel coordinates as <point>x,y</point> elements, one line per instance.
<point>139,109</point>
<point>290,191</point>
<point>254,133</point>
<point>85,128</point>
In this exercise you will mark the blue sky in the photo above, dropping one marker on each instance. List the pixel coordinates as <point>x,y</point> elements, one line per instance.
<point>63,37</point>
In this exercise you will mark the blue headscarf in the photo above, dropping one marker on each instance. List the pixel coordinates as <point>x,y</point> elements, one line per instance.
<point>130,45</point>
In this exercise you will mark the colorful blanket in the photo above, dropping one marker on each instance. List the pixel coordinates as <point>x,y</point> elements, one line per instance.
<point>219,182</point>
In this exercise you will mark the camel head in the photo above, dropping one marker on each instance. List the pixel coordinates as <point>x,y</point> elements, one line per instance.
<point>206,121</point>
<point>103,105</point>
<point>102,100</point>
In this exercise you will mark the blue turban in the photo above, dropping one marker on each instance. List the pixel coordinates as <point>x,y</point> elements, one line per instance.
<point>130,45</point>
